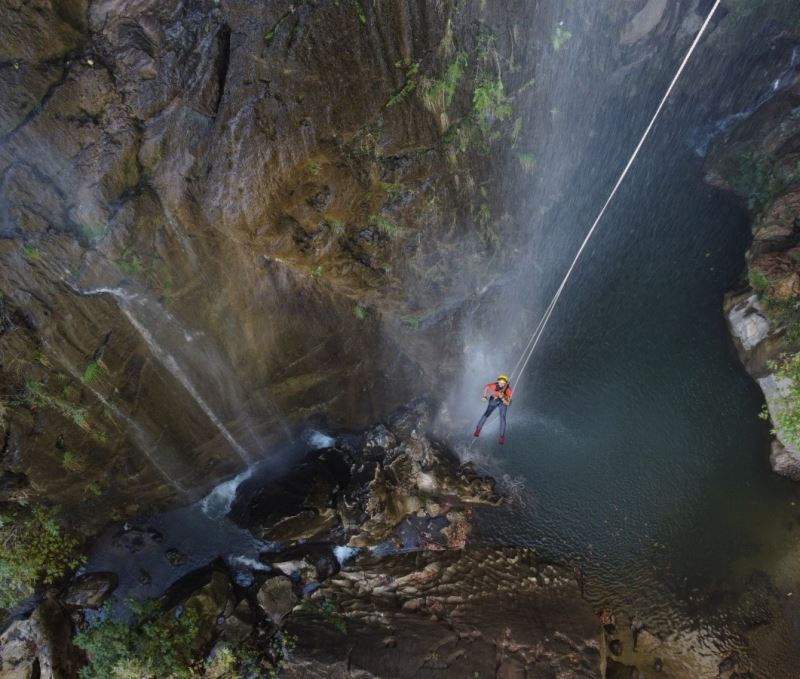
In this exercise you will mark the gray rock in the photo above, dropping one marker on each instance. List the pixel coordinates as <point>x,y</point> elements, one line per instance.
<point>748,322</point>
<point>90,590</point>
<point>277,598</point>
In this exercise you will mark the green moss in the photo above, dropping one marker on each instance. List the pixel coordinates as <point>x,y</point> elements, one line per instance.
<point>384,224</point>
<point>360,312</point>
<point>313,169</point>
<point>30,252</point>
<point>34,547</point>
<point>526,159</point>
<point>130,263</point>
<point>153,643</point>
<point>758,281</point>
<point>360,13</point>
<point>317,272</point>
<point>93,231</point>
<point>787,419</point>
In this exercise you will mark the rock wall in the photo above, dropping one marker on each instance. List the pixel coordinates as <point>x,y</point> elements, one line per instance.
<point>755,154</point>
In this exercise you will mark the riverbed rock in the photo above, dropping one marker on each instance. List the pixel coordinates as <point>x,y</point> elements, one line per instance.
<point>452,613</point>
<point>90,590</point>
<point>277,598</point>
<point>210,603</point>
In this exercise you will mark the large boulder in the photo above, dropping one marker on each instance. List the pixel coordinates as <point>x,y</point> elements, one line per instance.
<point>90,590</point>
<point>277,598</point>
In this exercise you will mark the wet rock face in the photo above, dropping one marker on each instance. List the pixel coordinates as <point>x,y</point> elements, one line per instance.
<point>495,612</point>
<point>226,173</point>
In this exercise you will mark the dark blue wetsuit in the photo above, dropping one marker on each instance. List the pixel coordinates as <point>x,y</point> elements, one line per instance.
<point>502,408</point>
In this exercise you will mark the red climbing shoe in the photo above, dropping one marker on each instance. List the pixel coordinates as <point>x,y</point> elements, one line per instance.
<point>502,440</point>
<point>477,431</point>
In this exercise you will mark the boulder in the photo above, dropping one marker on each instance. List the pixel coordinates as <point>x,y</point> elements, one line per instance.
<point>90,590</point>
<point>277,598</point>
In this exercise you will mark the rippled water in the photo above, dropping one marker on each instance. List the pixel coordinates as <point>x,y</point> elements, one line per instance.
<point>636,431</point>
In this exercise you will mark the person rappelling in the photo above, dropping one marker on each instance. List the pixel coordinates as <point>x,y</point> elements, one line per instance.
<point>499,396</point>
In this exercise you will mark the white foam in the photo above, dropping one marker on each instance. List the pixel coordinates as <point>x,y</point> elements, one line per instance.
<point>343,553</point>
<point>218,502</point>
<point>318,440</point>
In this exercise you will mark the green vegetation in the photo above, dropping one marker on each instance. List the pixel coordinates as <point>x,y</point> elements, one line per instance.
<point>130,263</point>
<point>92,231</point>
<point>437,94</point>
<point>30,252</point>
<point>91,372</point>
<point>329,611</point>
<point>34,547</point>
<point>360,312</point>
<point>526,159</point>
<point>36,396</point>
<point>313,168</point>
<point>787,420</point>
<point>756,178</point>
<point>383,224</point>
<point>73,462</point>
<point>153,643</point>
<point>317,272</point>
<point>484,215</point>
<point>359,8</point>
<point>560,38</point>
<point>490,103</point>
<point>758,281</point>
<point>410,84</point>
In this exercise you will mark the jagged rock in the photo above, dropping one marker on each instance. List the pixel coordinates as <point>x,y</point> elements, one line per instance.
<point>39,647</point>
<point>210,602</point>
<point>311,562</point>
<point>175,557</point>
<point>90,590</point>
<point>276,597</point>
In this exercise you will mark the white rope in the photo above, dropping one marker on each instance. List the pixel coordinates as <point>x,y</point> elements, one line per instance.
<point>525,357</point>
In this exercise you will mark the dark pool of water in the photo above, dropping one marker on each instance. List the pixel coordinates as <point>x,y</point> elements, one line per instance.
<point>636,429</point>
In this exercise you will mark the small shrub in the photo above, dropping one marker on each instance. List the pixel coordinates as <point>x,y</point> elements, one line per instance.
<point>73,462</point>
<point>313,169</point>
<point>317,272</point>
<point>758,281</point>
<point>153,643</point>
<point>490,103</point>
<point>560,38</point>
<point>35,395</point>
<point>34,547</point>
<point>437,94</point>
<point>91,372</point>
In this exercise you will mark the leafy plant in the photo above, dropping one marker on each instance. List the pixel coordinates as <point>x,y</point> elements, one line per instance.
<point>360,312</point>
<point>30,252</point>
<point>317,272</point>
<point>35,395</point>
<point>437,94</point>
<point>34,547</point>
<point>130,263</point>
<point>410,84</point>
<point>313,168</point>
<point>490,103</point>
<point>758,281</point>
<point>560,38</point>
<point>362,17</point>
<point>153,643</point>
<point>91,372</point>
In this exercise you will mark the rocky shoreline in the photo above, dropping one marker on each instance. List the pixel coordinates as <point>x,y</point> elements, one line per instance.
<point>366,565</point>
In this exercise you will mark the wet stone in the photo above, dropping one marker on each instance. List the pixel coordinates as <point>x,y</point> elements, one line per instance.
<point>144,577</point>
<point>615,646</point>
<point>175,557</point>
<point>90,590</point>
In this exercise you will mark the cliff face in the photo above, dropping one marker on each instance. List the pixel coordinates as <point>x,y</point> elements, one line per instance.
<point>756,155</point>
<point>218,221</point>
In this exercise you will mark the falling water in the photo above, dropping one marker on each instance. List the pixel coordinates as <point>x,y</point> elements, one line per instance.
<point>126,301</point>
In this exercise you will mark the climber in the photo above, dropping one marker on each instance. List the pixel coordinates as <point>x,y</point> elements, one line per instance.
<point>499,396</point>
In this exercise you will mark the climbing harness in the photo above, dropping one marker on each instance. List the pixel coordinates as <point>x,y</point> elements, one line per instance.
<point>525,356</point>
